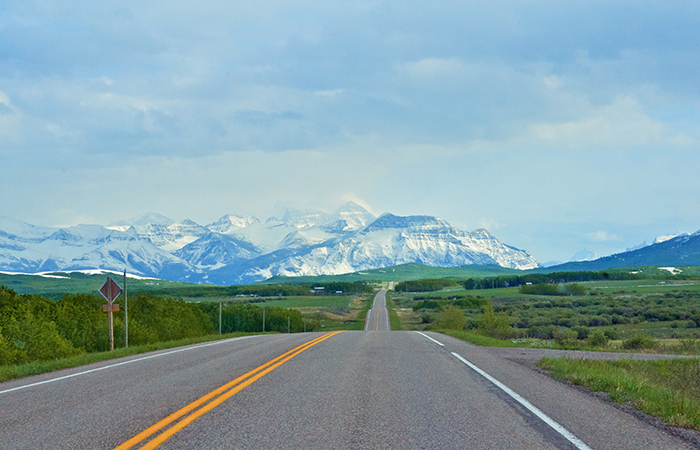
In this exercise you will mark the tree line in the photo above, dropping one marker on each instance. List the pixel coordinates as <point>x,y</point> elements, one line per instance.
<point>425,285</point>
<point>285,290</point>
<point>555,277</point>
<point>34,328</point>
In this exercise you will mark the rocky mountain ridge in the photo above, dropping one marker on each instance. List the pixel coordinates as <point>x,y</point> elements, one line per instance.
<point>239,249</point>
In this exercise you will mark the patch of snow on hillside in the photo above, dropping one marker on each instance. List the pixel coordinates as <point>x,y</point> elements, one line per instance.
<point>668,237</point>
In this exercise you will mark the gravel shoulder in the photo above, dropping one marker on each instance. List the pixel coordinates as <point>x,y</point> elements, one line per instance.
<point>529,356</point>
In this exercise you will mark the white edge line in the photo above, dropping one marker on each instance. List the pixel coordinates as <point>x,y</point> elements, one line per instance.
<point>578,443</point>
<point>125,362</point>
<point>425,335</point>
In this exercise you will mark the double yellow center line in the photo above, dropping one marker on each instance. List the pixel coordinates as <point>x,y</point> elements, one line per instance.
<point>185,416</point>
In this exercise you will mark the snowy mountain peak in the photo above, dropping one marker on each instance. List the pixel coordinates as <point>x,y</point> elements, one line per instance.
<point>144,219</point>
<point>585,255</point>
<point>238,249</point>
<point>483,233</point>
<point>350,217</point>
<point>305,218</point>
<point>387,221</point>
<point>668,237</point>
<point>231,223</point>
<point>19,228</point>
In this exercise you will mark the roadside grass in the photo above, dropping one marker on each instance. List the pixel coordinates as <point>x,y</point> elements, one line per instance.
<point>394,320</point>
<point>362,315</point>
<point>358,307</point>
<point>35,368</point>
<point>484,341</point>
<point>487,341</point>
<point>669,388</point>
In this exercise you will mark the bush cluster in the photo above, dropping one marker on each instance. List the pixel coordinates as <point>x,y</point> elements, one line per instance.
<point>549,278</point>
<point>33,328</point>
<point>427,285</point>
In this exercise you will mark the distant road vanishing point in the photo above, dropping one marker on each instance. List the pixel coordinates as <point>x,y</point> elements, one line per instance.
<point>336,390</point>
<point>378,317</point>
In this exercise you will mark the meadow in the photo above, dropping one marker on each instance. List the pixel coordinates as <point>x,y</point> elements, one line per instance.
<point>665,311</point>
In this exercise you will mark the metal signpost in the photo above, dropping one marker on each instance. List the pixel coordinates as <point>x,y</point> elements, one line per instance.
<point>110,291</point>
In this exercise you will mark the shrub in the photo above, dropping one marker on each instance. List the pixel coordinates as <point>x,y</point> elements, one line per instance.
<point>575,289</point>
<point>639,342</point>
<point>453,319</point>
<point>689,345</point>
<point>582,332</point>
<point>497,326</point>
<point>541,332</point>
<point>541,289</point>
<point>564,336</point>
<point>598,322</point>
<point>598,339</point>
<point>612,334</point>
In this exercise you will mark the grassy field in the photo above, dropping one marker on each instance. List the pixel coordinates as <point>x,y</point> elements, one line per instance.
<point>325,301</point>
<point>55,285</point>
<point>394,320</point>
<point>669,389</point>
<point>667,311</point>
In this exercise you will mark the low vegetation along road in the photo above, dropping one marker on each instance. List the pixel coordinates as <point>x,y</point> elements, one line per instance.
<point>337,390</point>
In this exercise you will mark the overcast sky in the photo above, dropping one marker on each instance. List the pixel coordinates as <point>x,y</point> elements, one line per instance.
<point>555,125</point>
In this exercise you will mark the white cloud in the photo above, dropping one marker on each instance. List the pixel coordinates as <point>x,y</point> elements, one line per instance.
<point>490,224</point>
<point>622,123</point>
<point>451,109</point>
<point>602,236</point>
<point>431,68</point>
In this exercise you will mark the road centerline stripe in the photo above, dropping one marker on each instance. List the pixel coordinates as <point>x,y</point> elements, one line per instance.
<point>213,399</point>
<point>578,443</point>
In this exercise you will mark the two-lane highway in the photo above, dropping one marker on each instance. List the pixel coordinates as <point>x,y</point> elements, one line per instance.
<point>346,390</point>
<point>378,317</point>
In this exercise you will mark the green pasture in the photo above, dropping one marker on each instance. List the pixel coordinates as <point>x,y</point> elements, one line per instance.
<point>331,301</point>
<point>55,285</point>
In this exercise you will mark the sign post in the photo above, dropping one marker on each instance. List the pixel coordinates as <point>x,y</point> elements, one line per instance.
<point>110,291</point>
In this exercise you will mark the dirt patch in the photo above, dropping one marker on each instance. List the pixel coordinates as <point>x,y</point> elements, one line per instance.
<point>330,316</point>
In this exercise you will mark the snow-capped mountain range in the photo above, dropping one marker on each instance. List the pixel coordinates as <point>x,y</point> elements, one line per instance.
<point>238,249</point>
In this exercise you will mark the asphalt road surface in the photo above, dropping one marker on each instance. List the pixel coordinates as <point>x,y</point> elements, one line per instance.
<point>378,317</point>
<point>345,390</point>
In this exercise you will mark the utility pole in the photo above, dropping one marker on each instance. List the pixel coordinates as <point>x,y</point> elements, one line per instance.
<point>263,319</point>
<point>288,322</point>
<point>219,317</point>
<point>126,324</point>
